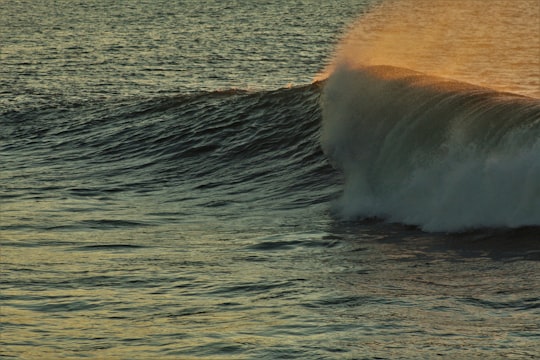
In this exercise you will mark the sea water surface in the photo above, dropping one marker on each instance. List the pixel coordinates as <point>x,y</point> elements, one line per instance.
<point>175,185</point>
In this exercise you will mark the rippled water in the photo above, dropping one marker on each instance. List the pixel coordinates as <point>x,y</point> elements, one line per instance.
<point>289,292</point>
<point>90,49</point>
<point>164,194</point>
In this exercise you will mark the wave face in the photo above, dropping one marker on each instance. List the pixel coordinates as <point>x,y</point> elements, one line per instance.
<point>225,152</point>
<point>424,150</point>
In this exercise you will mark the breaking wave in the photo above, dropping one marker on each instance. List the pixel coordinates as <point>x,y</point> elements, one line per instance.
<point>429,151</point>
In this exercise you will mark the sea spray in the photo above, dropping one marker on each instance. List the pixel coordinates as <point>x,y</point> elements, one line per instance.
<point>490,43</point>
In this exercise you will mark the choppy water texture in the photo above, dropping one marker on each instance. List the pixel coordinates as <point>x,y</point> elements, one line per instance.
<point>173,185</point>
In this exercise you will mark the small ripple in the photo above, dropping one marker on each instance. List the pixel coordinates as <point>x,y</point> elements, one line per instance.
<point>251,288</point>
<point>110,247</point>
<point>269,244</point>
<point>109,224</point>
<point>523,304</point>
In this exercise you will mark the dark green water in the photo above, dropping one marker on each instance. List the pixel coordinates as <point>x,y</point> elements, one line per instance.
<point>164,195</point>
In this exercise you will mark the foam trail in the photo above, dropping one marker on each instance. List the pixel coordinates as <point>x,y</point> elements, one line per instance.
<point>424,150</point>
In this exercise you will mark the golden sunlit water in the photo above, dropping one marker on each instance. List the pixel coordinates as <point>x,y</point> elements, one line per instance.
<point>173,186</point>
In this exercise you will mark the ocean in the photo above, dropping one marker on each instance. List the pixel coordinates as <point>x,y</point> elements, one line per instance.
<point>269,179</point>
